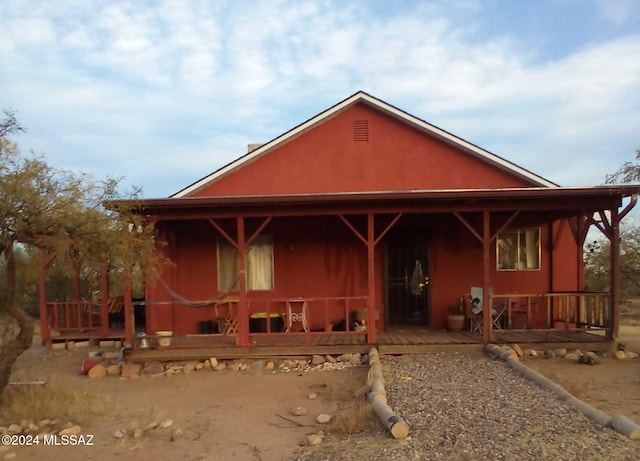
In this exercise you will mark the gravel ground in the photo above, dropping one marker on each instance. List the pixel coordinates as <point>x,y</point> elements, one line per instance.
<point>470,407</point>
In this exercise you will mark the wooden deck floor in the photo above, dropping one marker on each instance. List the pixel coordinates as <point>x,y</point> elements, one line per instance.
<point>401,341</point>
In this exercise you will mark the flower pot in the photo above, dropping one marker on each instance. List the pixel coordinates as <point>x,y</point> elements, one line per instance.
<point>164,337</point>
<point>455,322</point>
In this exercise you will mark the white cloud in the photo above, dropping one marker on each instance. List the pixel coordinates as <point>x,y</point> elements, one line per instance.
<point>174,90</point>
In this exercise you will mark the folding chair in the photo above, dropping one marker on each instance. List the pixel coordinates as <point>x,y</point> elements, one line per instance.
<point>475,311</point>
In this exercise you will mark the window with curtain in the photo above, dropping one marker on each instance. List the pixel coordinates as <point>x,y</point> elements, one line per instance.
<point>259,265</point>
<point>519,249</point>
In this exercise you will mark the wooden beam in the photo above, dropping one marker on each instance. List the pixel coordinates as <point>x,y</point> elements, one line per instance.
<point>615,273</point>
<point>45,333</point>
<point>558,234</point>
<point>104,298</point>
<point>260,228</point>
<point>353,229</point>
<point>486,277</point>
<point>629,207</point>
<point>243,308</point>
<point>468,226</point>
<point>504,226</point>
<point>386,229</point>
<point>222,231</point>
<point>371,280</point>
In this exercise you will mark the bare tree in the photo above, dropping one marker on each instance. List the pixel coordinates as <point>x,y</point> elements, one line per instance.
<point>629,172</point>
<point>62,213</point>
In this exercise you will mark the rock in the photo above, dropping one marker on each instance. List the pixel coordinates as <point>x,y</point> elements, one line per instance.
<point>315,439</point>
<point>517,350</point>
<point>532,353</point>
<point>130,370</point>
<point>32,428</point>
<point>324,418</point>
<point>330,359</point>
<point>114,355</point>
<point>631,355</point>
<point>344,358</point>
<point>207,363</point>
<point>166,423</point>
<point>44,422</point>
<point>177,434</point>
<point>97,371</point>
<point>9,456</point>
<point>259,365</point>
<point>152,368</point>
<point>152,425</point>
<point>199,366</point>
<point>593,359</point>
<point>312,396</point>
<point>119,434</point>
<point>270,365</point>
<point>620,355</point>
<point>138,433</point>
<point>356,359</point>
<point>114,370</point>
<point>235,366</point>
<point>189,367</point>
<point>220,366</point>
<point>317,360</point>
<point>549,354</point>
<point>73,430</point>
<point>299,411</point>
<point>3,430</point>
<point>572,356</point>
<point>14,429</point>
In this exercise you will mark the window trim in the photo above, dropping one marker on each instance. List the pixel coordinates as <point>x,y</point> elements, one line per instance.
<point>519,231</point>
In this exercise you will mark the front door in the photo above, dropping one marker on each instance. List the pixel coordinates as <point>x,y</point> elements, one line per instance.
<point>407,282</point>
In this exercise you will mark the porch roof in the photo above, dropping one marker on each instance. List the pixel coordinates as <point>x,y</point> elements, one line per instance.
<point>569,200</point>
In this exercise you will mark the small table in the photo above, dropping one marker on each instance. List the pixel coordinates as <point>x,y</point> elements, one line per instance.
<point>299,315</point>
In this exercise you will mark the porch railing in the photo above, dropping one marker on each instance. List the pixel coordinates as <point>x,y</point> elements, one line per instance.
<point>64,317</point>
<point>322,315</point>
<point>569,310</point>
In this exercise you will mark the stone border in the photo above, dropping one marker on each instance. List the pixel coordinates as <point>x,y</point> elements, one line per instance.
<point>377,397</point>
<point>620,423</point>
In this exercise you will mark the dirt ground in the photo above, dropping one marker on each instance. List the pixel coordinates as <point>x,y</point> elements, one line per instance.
<point>216,415</point>
<point>245,415</point>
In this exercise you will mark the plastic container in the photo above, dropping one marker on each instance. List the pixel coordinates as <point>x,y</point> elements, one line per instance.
<point>164,337</point>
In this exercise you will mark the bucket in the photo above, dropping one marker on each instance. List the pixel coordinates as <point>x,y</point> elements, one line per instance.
<point>144,342</point>
<point>88,365</point>
<point>164,337</point>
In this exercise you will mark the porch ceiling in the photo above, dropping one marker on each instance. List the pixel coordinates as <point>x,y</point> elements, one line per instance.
<point>561,201</point>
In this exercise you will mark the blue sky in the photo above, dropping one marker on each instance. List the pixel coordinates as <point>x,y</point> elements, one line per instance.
<point>165,92</point>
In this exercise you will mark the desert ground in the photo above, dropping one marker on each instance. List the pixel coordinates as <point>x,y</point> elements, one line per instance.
<point>243,415</point>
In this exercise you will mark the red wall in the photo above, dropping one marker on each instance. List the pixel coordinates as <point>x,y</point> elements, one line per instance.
<point>321,257</point>
<point>326,159</point>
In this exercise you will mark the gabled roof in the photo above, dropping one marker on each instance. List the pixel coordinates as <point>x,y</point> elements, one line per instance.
<point>362,97</point>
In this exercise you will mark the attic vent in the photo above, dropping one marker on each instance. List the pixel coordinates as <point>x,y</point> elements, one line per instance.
<point>361,130</point>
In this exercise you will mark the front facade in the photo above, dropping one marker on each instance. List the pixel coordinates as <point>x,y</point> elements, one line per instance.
<point>365,220</point>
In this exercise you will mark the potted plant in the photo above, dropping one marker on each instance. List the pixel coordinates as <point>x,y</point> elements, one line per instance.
<point>456,318</point>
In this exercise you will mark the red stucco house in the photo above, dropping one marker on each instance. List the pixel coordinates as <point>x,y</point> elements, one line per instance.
<point>368,215</point>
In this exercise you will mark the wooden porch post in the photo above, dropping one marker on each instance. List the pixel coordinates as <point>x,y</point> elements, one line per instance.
<point>371,282</point>
<point>486,277</point>
<point>615,273</point>
<point>129,323</point>
<point>45,333</point>
<point>243,311</point>
<point>104,298</point>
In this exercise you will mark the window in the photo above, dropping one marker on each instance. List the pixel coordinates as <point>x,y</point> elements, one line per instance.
<point>259,265</point>
<point>519,249</point>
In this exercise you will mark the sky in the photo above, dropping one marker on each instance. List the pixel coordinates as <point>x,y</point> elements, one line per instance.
<point>162,93</point>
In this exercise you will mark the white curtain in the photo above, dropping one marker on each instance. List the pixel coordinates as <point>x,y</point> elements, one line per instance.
<point>259,264</point>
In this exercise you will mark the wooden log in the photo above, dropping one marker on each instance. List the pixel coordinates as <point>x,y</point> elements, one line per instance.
<point>395,424</point>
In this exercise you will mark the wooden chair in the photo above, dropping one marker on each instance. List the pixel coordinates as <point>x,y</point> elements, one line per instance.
<point>228,320</point>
